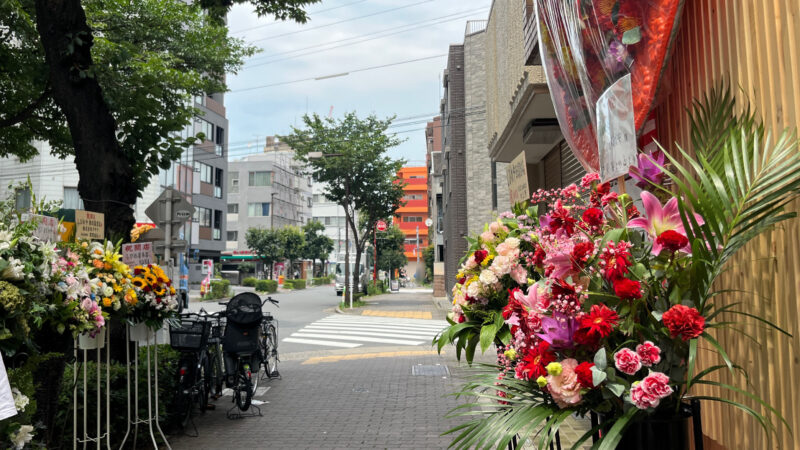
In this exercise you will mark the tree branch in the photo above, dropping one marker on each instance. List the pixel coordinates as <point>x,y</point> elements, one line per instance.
<point>27,111</point>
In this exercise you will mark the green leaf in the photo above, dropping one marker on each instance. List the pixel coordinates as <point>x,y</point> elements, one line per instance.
<point>487,336</point>
<point>600,360</point>
<point>692,360</point>
<point>614,435</point>
<point>598,376</point>
<point>617,389</point>
<point>657,315</point>
<point>632,36</point>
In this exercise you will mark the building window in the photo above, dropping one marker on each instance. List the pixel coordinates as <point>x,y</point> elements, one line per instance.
<point>233,235</point>
<point>416,176</point>
<point>260,179</point>
<point>205,127</point>
<point>72,200</point>
<point>234,182</point>
<point>217,225</point>
<point>206,172</point>
<point>22,199</point>
<point>218,177</point>
<point>220,136</point>
<point>319,198</point>
<point>203,216</point>
<point>309,202</point>
<point>412,219</point>
<point>413,197</point>
<point>258,209</point>
<point>233,208</point>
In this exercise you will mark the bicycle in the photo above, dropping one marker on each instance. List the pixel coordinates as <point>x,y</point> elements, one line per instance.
<point>190,338</point>
<point>214,351</point>
<point>242,348</point>
<point>268,341</point>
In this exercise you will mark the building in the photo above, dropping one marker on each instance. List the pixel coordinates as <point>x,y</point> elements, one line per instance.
<point>331,215</point>
<point>265,190</point>
<point>412,216</point>
<point>433,157</point>
<point>519,111</point>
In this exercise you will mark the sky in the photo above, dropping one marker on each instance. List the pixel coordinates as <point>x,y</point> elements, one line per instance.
<point>367,33</point>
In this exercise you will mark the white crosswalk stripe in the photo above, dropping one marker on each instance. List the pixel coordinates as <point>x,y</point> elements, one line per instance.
<point>346,331</point>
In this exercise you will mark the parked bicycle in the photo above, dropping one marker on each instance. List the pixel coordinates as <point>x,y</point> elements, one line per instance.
<point>190,338</point>
<point>269,342</point>
<point>242,347</point>
<point>215,354</point>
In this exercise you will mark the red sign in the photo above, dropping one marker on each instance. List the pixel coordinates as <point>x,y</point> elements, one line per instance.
<point>381,225</point>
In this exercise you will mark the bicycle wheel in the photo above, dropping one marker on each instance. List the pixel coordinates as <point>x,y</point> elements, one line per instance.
<point>217,374</point>
<point>183,398</point>
<point>271,352</point>
<point>244,388</point>
<point>203,382</point>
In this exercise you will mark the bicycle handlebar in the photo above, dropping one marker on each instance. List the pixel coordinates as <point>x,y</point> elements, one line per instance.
<point>271,300</point>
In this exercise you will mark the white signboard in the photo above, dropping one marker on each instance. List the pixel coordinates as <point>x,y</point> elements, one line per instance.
<point>517,175</point>
<point>47,230</point>
<point>616,130</point>
<point>89,225</point>
<point>137,254</point>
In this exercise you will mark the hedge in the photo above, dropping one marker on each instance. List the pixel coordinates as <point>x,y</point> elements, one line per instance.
<point>249,281</point>
<point>299,284</point>
<point>269,286</point>
<point>219,289</point>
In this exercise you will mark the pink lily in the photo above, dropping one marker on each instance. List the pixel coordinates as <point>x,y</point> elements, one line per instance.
<point>659,219</point>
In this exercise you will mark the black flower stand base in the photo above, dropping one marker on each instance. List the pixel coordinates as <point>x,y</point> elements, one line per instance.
<point>656,433</point>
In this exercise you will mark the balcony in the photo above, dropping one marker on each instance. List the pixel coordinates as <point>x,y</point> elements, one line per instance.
<point>530,34</point>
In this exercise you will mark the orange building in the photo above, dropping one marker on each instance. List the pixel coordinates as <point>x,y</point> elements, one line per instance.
<point>412,216</point>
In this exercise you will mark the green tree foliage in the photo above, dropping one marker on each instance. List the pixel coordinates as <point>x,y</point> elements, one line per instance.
<point>267,244</point>
<point>390,249</point>
<point>428,256</point>
<point>111,82</point>
<point>358,173</point>
<point>318,246</point>
<point>294,242</point>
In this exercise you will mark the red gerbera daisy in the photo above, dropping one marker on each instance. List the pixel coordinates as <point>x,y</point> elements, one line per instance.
<point>532,366</point>
<point>600,321</point>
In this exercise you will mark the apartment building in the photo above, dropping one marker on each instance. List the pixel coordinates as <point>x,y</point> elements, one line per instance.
<point>332,215</point>
<point>412,217</point>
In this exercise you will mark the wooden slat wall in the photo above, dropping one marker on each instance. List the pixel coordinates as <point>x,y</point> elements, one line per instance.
<point>754,45</point>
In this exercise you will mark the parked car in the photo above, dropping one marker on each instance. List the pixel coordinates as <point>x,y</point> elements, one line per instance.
<point>363,278</point>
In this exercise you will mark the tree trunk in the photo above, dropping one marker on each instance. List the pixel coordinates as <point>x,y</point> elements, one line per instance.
<point>106,178</point>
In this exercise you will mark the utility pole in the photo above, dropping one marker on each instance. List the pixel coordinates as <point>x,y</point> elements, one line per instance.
<point>374,255</point>
<point>418,277</point>
<point>347,290</point>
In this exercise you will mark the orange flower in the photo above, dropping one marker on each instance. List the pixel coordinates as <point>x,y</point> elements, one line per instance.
<point>106,302</point>
<point>107,266</point>
<point>97,263</point>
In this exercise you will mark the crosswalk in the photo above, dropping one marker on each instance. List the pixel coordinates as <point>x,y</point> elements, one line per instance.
<point>348,331</point>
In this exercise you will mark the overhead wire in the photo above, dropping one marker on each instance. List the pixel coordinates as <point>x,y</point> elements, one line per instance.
<point>278,22</point>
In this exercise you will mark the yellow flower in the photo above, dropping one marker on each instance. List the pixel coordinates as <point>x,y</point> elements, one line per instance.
<point>510,354</point>
<point>487,260</point>
<point>159,291</point>
<point>541,381</point>
<point>171,290</point>
<point>106,302</point>
<point>117,288</point>
<point>150,278</point>
<point>554,369</point>
<point>139,282</point>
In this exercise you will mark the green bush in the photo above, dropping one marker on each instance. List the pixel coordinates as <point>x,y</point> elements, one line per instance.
<point>168,360</point>
<point>249,281</point>
<point>269,286</point>
<point>374,290</point>
<point>288,284</point>
<point>298,284</point>
<point>219,289</point>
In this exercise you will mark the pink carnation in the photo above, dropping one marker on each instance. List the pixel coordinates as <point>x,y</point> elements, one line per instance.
<point>649,353</point>
<point>657,385</point>
<point>587,179</point>
<point>641,399</point>
<point>627,361</point>
<point>519,274</point>
<point>487,236</point>
<point>565,388</point>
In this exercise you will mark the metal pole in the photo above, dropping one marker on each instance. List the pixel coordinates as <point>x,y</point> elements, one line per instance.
<point>418,277</point>
<point>374,256</point>
<point>347,289</point>
<point>168,227</point>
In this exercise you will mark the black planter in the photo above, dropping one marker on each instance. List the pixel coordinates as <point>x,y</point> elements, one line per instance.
<point>663,432</point>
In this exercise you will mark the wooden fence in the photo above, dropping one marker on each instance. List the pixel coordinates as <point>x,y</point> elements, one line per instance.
<point>753,45</point>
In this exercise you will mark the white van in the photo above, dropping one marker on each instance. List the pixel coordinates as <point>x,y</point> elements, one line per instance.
<point>363,278</point>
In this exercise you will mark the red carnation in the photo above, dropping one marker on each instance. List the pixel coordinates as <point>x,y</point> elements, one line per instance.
<point>462,280</point>
<point>560,218</point>
<point>538,257</point>
<point>581,253</point>
<point>627,289</point>
<point>633,212</point>
<point>672,240</point>
<point>600,321</point>
<point>137,271</point>
<point>480,255</point>
<point>684,321</point>
<point>616,260</point>
<point>593,217</point>
<point>532,366</point>
<point>603,188</point>
<point>584,372</point>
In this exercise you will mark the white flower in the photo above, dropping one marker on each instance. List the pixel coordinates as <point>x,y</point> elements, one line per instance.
<point>14,271</point>
<point>20,400</point>
<point>501,265</point>
<point>96,250</point>
<point>512,242</point>
<point>474,289</point>
<point>22,436</point>
<point>108,291</point>
<point>488,277</point>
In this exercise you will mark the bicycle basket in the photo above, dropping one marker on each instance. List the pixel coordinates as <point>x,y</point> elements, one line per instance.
<point>244,309</point>
<point>240,338</point>
<point>190,335</point>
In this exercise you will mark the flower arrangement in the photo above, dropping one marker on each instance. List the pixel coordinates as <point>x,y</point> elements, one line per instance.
<point>597,307</point>
<point>75,306</point>
<point>110,277</point>
<point>155,299</point>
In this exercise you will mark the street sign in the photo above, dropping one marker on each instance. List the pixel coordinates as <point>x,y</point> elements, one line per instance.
<point>381,225</point>
<point>428,222</point>
<point>181,210</point>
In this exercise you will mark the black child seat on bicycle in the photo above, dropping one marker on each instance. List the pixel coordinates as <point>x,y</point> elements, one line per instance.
<point>244,316</point>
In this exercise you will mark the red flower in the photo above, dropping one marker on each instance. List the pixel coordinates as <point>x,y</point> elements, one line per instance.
<point>684,321</point>
<point>603,188</point>
<point>616,260</point>
<point>462,280</point>
<point>480,255</point>
<point>581,253</point>
<point>461,318</point>
<point>672,240</point>
<point>584,372</point>
<point>633,212</point>
<point>600,321</point>
<point>137,271</point>
<point>649,353</point>
<point>593,217</point>
<point>538,257</point>
<point>561,219</point>
<point>584,339</point>
<point>533,364</point>
<point>627,289</point>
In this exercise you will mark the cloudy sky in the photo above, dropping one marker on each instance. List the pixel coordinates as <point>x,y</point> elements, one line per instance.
<point>341,37</point>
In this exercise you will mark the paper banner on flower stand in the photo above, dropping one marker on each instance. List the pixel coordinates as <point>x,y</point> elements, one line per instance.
<point>137,253</point>
<point>616,133</point>
<point>47,229</point>
<point>89,225</point>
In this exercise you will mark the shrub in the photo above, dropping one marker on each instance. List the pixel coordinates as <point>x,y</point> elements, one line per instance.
<point>374,290</point>
<point>299,284</point>
<point>269,286</point>
<point>288,284</point>
<point>219,289</point>
<point>249,281</point>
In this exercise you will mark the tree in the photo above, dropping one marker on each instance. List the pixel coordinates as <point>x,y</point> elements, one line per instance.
<point>318,246</point>
<point>428,257</point>
<point>111,83</point>
<point>267,244</point>
<point>358,174</point>
<point>390,249</point>
<point>294,243</point>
